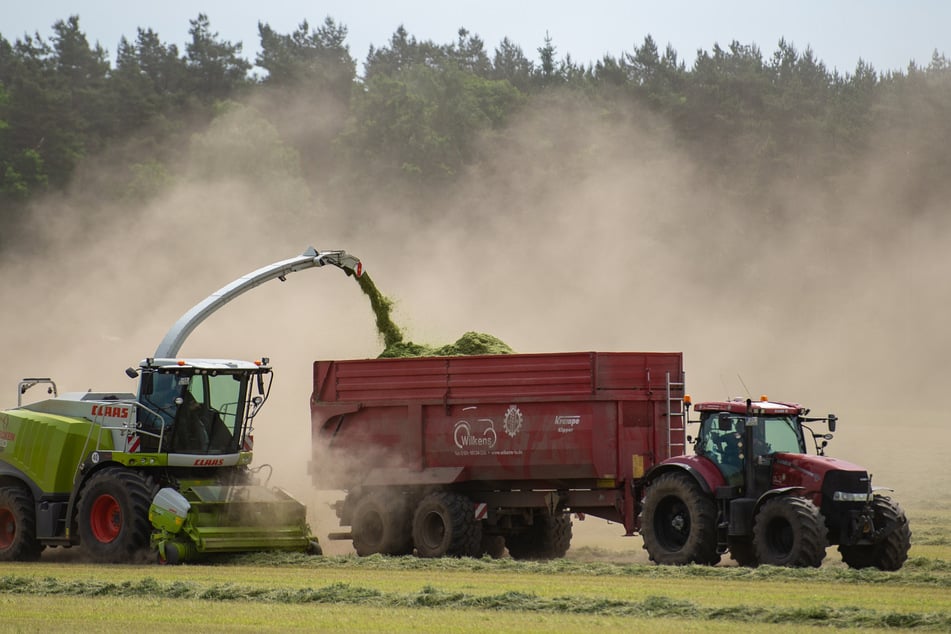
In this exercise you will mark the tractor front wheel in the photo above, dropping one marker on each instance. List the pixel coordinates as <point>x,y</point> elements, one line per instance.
<point>113,515</point>
<point>17,526</point>
<point>891,551</point>
<point>679,522</point>
<point>790,531</point>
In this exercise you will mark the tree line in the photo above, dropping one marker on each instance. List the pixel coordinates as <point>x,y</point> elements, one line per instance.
<point>416,113</point>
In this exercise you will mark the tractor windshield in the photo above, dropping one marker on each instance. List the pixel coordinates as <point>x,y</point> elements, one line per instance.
<point>782,435</point>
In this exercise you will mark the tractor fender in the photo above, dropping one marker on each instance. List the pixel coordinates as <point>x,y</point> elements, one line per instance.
<point>707,476</point>
<point>772,493</point>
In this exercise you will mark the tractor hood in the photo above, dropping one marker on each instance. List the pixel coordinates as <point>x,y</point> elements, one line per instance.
<point>809,471</point>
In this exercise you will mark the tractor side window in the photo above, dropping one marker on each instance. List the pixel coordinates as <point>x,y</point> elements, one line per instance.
<point>720,441</point>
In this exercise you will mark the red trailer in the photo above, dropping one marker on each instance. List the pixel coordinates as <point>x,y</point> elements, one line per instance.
<point>469,455</point>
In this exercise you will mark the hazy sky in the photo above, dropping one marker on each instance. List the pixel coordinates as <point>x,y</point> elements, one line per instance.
<point>886,33</point>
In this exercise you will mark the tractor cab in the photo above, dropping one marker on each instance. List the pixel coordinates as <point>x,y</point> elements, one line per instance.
<point>199,406</point>
<point>741,438</point>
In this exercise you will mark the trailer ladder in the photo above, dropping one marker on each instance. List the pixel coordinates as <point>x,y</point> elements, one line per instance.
<point>676,411</point>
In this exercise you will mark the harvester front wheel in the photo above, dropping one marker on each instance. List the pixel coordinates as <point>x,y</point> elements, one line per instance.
<point>17,526</point>
<point>444,524</point>
<point>678,522</point>
<point>382,524</point>
<point>891,552</point>
<point>114,515</point>
<point>790,531</point>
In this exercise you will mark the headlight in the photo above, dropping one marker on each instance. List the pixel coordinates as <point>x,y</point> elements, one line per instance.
<point>842,496</point>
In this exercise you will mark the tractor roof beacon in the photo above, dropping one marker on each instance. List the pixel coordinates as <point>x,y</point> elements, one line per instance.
<point>167,468</point>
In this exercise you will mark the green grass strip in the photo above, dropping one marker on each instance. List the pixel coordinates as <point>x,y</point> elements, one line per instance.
<point>430,597</point>
<point>916,571</point>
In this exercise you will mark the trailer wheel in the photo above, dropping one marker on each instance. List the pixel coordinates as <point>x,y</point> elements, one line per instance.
<point>742,552</point>
<point>444,524</point>
<point>492,545</point>
<point>114,515</point>
<point>18,526</point>
<point>678,522</point>
<point>548,538</point>
<point>381,524</point>
<point>891,552</point>
<point>790,531</point>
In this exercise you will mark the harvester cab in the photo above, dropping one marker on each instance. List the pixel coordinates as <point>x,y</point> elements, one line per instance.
<point>168,467</point>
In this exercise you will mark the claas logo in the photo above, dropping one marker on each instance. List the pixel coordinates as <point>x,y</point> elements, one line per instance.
<point>110,411</point>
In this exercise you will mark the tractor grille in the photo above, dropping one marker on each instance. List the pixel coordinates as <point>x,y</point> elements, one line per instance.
<point>843,516</point>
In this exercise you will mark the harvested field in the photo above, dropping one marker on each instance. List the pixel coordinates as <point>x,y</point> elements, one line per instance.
<point>295,592</point>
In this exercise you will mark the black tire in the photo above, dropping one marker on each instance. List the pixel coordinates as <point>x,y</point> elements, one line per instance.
<point>549,537</point>
<point>18,526</point>
<point>891,552</point>
<point>789,531</point>
<point>381,523</point>
<point>493,546</point>
<point>113,515</point>
<point>444,525</point>
<point>742,552</point>
<point>678,522</point>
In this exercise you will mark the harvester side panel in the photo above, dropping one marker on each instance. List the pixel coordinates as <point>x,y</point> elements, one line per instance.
<point>48,447</point>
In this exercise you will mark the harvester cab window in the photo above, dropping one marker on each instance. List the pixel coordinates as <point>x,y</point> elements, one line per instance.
<point>161,396</point>
<point>209,418</point>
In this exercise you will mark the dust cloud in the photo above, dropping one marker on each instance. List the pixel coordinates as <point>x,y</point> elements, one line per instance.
<point>574,235</point>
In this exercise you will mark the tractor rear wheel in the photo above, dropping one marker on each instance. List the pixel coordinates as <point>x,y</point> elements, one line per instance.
<point>790,531</point>
<point>679,522</point>
<point>381,523</point>
<point>113,515</point>
<point>891,552</point>
<point>445,524</point>
<point>18,526</point>
<point>548,538</point>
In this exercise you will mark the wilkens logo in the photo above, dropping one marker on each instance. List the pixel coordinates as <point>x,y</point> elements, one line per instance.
<point>464,438</point>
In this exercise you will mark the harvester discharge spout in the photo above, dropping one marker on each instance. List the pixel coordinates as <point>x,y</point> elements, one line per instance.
<point>310,258</point>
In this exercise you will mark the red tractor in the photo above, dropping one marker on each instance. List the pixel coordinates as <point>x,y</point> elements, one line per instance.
<point>751,490</point>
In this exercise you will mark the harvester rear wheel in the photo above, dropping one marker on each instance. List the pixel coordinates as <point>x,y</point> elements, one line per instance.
<point>114,514</point>
<point>444,524</point>
<point>381,523</point>
<point>18,526</point>
<point>678,522</point>
<point>790,531</point>
<point>548,538</point>
<point>892,551</point>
